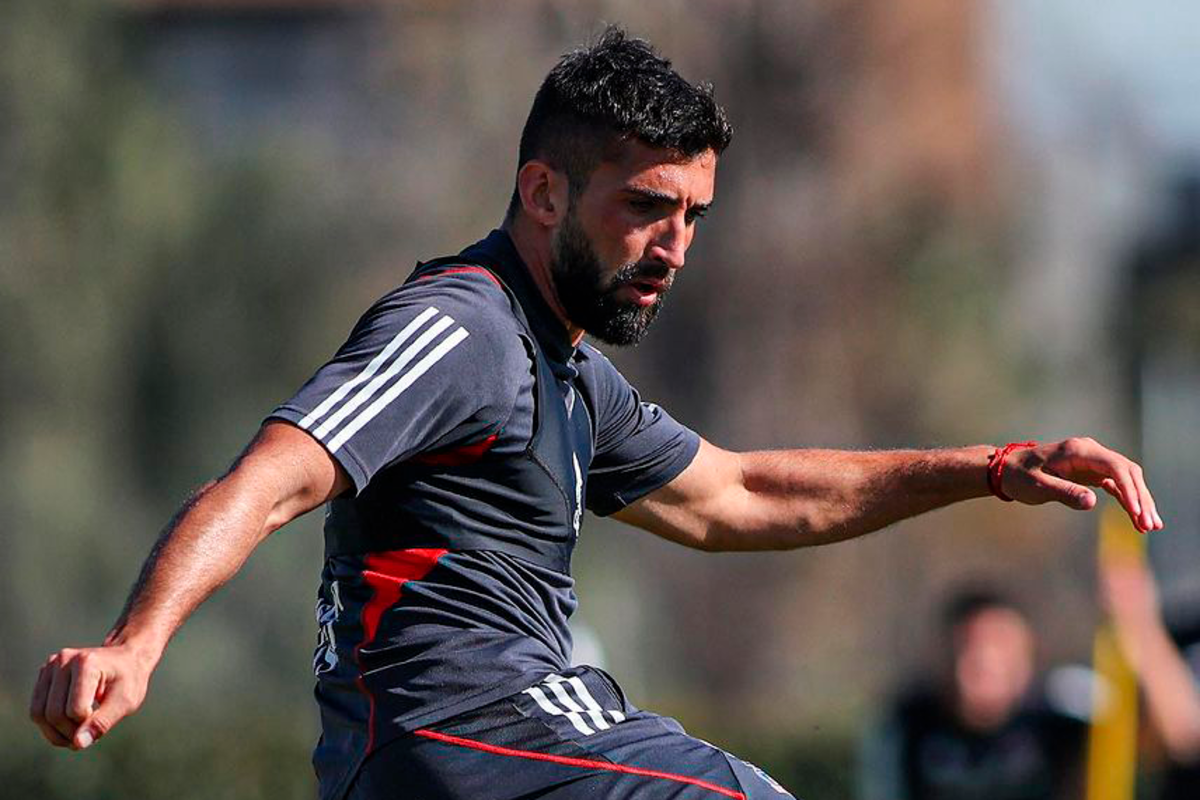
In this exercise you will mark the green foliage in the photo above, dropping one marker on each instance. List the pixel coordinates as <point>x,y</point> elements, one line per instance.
<point>255,754</point>
<point>146,286</point>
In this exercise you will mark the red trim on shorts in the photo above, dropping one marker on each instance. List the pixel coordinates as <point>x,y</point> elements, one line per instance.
<point>606,766</point>
<point>386,573</point>
<point>460,456</point>
<point>455,270</point>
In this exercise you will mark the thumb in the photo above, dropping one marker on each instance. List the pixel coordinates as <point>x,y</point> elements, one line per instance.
<point>109,712</point>
<point>1072,495</point>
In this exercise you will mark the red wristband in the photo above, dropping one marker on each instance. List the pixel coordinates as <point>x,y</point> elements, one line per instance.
<point>995,469</point>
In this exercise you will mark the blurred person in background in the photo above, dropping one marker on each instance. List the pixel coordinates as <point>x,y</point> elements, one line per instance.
<point>990,728</point>
<point>1169,687</point>
<point>985,728</point>
<point>456,439</point>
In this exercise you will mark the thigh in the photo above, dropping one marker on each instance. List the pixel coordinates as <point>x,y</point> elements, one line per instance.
<point>571,736</point>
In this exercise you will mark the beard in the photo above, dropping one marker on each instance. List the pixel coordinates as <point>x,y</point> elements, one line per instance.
<point>590,301</point>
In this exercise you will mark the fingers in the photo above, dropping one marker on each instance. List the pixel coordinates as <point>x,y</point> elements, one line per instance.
<point>1151,518</point>
<point>1131,499</point>
<point>37,704</point>
<point>1128,486</point>
<point>1069,494</point>
<point>1089,461</point>
<point>64,703</point>
<point>84,685</point>
<point>56,701</point>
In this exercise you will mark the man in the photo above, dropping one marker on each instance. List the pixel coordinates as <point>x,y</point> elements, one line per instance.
<point>984,730</point>
<point>457,437</point>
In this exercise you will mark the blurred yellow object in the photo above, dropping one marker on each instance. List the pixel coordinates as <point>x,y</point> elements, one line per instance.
<point>1112,742</point>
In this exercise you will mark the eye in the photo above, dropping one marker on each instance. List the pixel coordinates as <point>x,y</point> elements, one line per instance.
<point>642,205</point>
<point>694,214</point>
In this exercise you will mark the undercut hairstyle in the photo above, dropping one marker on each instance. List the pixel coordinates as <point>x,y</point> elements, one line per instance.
<point>617,89</point>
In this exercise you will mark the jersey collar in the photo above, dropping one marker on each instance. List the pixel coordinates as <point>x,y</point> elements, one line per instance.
<point>501,255</point>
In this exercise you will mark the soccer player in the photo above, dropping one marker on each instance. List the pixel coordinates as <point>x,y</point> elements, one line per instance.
<point>456,438</point>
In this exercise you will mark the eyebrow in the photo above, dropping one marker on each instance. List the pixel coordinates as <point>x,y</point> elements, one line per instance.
<point>667,198</point>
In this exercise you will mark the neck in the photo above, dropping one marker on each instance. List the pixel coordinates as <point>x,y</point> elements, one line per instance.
<point>534,247</point>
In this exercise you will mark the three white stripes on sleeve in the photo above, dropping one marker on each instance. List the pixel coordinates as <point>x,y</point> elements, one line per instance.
<point>573,708</point>
<point>392,380</point>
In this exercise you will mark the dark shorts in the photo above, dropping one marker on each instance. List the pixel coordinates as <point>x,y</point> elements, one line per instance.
<point>570,736</point>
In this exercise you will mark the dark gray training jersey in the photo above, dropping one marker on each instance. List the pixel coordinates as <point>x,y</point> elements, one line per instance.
<point>475,436</point>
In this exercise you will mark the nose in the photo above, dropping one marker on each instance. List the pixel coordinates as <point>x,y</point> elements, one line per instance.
<point>671,239</point>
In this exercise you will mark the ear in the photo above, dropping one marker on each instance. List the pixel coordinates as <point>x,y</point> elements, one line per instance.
<point>544,192</point>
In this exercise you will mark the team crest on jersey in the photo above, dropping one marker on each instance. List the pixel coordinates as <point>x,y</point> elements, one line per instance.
<point>325,658</point>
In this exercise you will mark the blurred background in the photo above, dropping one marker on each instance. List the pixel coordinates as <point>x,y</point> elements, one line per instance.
<point>941,222</point>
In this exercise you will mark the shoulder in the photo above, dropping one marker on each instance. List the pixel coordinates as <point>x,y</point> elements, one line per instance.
<point>461,318</point>
<point>590,355</point>
<point>469,304</point>
<point>472,298</point>
<point>598,373</point>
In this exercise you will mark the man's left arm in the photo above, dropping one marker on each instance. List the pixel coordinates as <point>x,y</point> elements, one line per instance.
<point>778,500</point>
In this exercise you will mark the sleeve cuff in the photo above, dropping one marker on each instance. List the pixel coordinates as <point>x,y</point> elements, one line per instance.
<point>344,457</point>
<point>612,503</point>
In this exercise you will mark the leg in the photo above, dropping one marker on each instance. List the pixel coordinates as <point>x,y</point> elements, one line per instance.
<point>571,736</point>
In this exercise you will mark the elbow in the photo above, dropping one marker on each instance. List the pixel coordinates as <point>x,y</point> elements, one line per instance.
<point>258,506</point>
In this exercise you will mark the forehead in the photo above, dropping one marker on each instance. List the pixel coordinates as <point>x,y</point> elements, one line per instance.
<point>637,165</point>
<point>994,623</point>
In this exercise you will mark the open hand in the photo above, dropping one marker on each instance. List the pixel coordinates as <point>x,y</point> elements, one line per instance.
<point>1062,472</point>
<point>81,694</point>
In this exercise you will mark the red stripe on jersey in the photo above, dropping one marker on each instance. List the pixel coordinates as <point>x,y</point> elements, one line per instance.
<point>585,763</point>
<point>455,270</point>
<point>467,454</point>
<point>386,573</point>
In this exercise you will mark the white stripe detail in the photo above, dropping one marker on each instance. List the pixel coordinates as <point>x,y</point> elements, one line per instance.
<point>565,698</point>
<point>420,368</point>
<point>368,391</point>
<point>371,368</point>
<point>576,719</point>
<point>593,707</point>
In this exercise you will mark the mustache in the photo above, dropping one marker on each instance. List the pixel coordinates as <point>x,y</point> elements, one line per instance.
<point>642,271</point>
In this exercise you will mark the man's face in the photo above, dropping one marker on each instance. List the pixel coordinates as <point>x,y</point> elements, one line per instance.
<point>993,666</point>
<point>616,251</point>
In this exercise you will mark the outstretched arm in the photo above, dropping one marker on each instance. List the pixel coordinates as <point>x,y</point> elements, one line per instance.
<point>82,692</point>
<point>1172,697</point>
<point>776,500</point>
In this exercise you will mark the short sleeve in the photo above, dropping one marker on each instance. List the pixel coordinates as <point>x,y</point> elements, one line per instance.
<point>639,446</point>
<point>435,364</point>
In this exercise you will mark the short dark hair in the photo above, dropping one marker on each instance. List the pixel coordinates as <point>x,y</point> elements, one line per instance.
<point>969,601</point>
<point>616,89</point>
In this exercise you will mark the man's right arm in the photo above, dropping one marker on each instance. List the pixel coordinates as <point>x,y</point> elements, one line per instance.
<point>81,693</point>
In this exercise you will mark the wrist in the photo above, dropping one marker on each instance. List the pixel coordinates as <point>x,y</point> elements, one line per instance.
<point>997,462</point>
<point>145,647</point>
<point>963,465</point>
